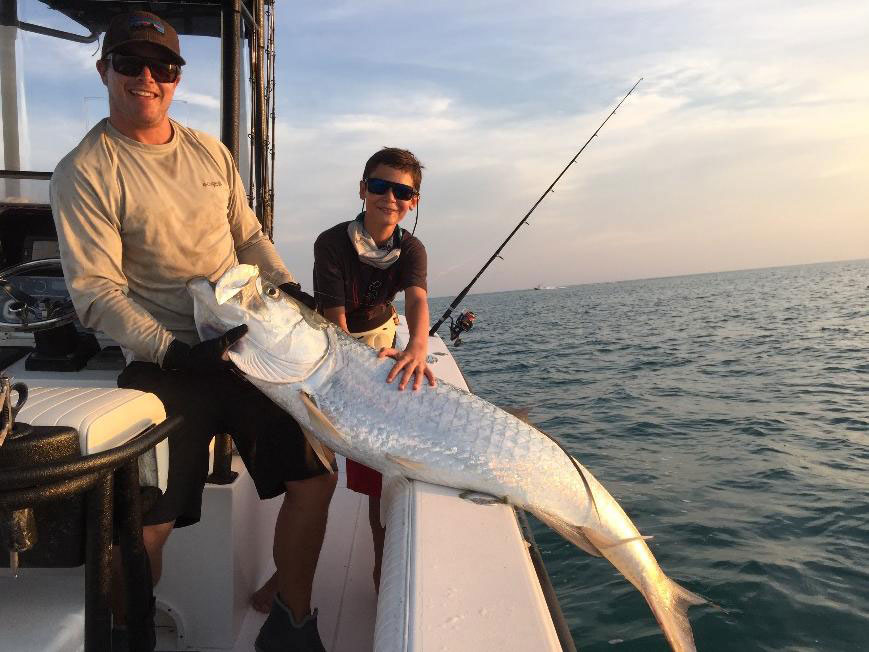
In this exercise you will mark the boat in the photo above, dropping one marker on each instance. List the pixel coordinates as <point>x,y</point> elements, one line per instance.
<point>456,575</point>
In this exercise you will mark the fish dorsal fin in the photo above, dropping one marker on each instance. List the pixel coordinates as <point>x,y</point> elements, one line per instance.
<point>403,462</point>
<point>572,533</point>
<point>519,413</point>
<point>319,419</point>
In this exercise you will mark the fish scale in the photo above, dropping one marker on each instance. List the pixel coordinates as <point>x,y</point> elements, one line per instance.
<point>497,445</point>
<point>336,387</point>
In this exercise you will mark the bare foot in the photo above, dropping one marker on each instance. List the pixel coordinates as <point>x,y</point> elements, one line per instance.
<point>264,596</point>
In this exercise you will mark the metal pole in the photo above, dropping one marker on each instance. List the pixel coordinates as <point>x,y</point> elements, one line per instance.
<point>98,568</point>
<point>259,123</point>
<point>222,472</point>
<point>268,214</point>
<point>9,94</point>
<point>137,575</point>
<point>231,64</point>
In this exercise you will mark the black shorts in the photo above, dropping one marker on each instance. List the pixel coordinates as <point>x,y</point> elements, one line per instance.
<point>268,439</point>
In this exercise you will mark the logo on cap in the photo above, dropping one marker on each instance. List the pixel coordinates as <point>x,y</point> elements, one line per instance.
<point>138,22</point>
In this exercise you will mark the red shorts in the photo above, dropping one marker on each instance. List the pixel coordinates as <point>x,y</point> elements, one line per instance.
<point>363,480</point>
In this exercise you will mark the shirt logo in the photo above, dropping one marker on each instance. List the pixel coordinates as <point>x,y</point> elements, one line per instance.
<point>211,184</point>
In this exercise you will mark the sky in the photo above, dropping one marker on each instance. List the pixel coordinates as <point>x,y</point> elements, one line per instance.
<point>746,144</point>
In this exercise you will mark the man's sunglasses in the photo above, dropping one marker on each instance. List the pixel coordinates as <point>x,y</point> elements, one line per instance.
<point>132,66</point>
<point>399,190</point>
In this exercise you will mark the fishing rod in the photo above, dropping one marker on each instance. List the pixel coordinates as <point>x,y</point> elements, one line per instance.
<point>466,320</point>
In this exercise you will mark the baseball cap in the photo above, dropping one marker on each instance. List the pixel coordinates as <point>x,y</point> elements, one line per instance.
<point>142,27</point>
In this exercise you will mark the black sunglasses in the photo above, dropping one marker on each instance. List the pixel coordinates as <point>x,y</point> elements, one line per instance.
<point>132,66</point>
<point>399,190</point>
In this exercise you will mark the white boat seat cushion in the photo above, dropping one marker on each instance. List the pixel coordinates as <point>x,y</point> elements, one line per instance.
<point>104,418</point>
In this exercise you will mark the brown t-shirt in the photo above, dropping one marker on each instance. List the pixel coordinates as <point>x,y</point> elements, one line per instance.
<point>366,292</point>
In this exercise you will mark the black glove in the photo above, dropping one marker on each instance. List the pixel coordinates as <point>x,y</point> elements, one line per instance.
<point>206,357</point>
<point>295,291</point>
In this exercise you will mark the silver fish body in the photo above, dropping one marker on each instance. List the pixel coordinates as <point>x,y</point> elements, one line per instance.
<point>335,387</point>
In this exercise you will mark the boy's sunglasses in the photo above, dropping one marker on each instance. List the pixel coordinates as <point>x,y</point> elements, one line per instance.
<point>399,190</point>
<point>131,66</point>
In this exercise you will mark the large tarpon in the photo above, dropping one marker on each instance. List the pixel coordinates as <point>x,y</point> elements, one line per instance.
<point>335,387</point>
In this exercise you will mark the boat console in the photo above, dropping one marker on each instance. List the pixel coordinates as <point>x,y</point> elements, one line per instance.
<point>75,411</point>
<point>34,300</point>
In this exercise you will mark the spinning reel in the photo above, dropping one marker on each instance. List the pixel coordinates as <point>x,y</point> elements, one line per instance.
<point>461,324</point>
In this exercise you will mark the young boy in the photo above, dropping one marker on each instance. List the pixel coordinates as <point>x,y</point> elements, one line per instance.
<point>359,266</point>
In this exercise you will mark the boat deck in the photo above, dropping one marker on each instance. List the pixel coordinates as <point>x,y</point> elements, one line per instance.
<point>343,586</point>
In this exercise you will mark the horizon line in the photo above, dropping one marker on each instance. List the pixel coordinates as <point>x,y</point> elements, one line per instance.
<point>655,278</point>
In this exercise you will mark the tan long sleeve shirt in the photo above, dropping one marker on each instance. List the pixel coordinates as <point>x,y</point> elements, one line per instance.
<point>135,222</point>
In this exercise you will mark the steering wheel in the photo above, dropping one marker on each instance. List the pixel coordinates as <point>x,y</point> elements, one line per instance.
<point>26,313</point>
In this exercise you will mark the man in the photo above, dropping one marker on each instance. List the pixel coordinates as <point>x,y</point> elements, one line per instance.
<point>142,205</point>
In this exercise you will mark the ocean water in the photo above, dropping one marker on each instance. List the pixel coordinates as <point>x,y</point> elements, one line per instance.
<point>729,415</point>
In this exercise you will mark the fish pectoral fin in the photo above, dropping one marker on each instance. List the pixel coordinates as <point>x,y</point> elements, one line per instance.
<point>572,533</point>
<point>519,413</point>
<point>479,498</point>
<point>405,463</point>
<point>325,454</point>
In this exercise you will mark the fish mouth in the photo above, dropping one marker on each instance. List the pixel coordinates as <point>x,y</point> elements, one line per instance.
<point>198,284</point>
<point>270,351</point>
<point>202,291</point>
<point>209,324</point>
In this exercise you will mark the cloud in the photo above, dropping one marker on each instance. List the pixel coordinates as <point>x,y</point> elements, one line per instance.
<point>197,99</point>
<point>743,146</point>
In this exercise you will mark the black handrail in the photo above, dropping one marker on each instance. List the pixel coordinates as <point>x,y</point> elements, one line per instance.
<point>25,174</point>
<point>100,477</point>
<point>19,478</point>
<point>56,33</point>
<point>12,499</point>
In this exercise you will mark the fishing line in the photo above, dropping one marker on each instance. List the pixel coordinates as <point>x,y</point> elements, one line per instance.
<point>524,220</point>
<point>578,470</point>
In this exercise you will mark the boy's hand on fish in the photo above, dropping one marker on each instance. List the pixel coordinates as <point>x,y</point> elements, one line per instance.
<point>410,363</point>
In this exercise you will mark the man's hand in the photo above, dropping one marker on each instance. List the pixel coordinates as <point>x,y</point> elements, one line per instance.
<point>295,291</point>
<point>207,357</point>
<point>409,363</point>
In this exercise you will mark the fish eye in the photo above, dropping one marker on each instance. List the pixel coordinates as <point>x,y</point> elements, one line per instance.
<point>272,291</point>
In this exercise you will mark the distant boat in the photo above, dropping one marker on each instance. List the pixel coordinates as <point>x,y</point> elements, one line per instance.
<point>547,287</point>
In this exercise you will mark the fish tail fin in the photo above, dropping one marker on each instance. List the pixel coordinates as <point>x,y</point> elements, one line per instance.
<point>672,615</point>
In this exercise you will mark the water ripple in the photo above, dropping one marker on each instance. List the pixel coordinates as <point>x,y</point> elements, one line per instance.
<point>728,414</point>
